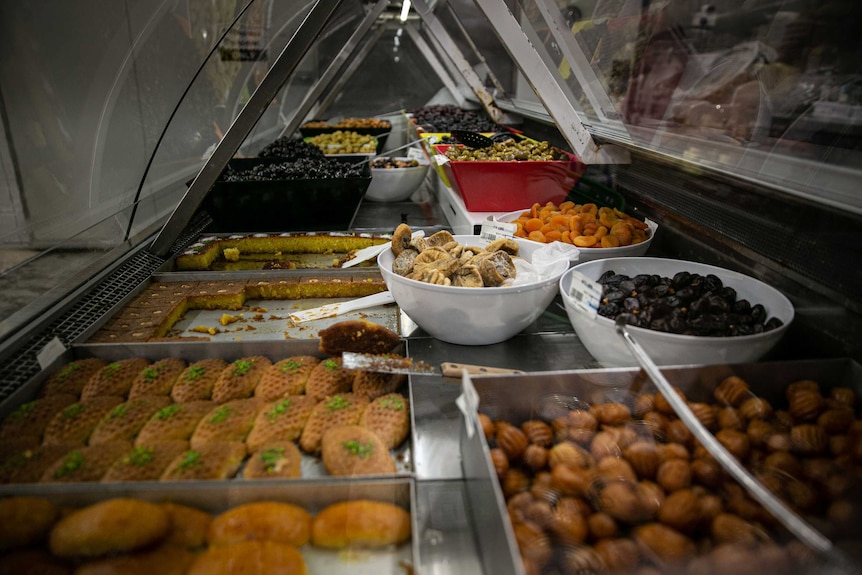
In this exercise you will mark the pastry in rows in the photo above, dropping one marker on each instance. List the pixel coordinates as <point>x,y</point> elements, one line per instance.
<point>197,380</point>
<point>165,559</point>
<point>211,461</point>
<point>286,377</point>
<point>329,378</point>
<point>28,465</point>
<point>231,421</point>
<point>353,450</point>
<point>125,420</point>
<point>274,460</point>
<point>74,423</point>
<point>189,526</point>
<point>266,556</point>
<point>281,420</point>
<point>30,419</point>
<point>174,421</point>
<point>389,418</point>
<point>238,380</point>
<point>115,378</point>
<point>72,377</point>
<point>373,384</point>
<point>86,463</point>
<point>158,378</point>
<point>146,462</point>
<point>335,411</point>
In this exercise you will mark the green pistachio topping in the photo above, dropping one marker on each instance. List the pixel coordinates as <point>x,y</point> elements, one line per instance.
<point>150,373</point>
<point>330,364</point>
<point>191,459</point>
<point>393,403</point>
<point>280,408</point>
<point>270,458</point>
<point>23,411</point>
<point>358,449</point>
<point>68,370</point>
<point>71,463</point>
<point>337,402</point>
<point>118,412</point>
<point>241,367</point>
<point>168,411</point>
<point>291,366</point>
<point>111,368</point>
<point>73,410</point>
<point>140,455</point>
<point>220,415</point>
<point>194,372</point>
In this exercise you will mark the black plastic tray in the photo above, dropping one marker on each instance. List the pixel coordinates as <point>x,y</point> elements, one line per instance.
<point>287,205</point>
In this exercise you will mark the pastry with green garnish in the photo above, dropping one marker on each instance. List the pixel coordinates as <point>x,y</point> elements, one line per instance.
<point>280,420</point>
<point>238,379</point>
<point>286,377</point>
<point>353,450</point>
<point>115,378</point>
<point>158,378</point>
<point>274,460</point>
<point>197,380</point>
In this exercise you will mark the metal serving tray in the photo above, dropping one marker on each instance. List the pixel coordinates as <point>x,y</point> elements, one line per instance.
<point>518,398</point>
<point>216,498</point>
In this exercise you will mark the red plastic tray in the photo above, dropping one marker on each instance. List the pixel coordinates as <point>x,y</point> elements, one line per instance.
<point>509,186</point>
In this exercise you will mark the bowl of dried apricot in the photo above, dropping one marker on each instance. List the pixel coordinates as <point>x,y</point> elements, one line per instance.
<point>597,232</point>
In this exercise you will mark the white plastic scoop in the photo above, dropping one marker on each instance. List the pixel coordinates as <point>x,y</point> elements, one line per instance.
<point>335,309</point>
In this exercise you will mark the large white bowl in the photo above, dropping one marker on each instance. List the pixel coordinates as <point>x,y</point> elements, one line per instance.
<point>472,316</point>
<point>589,254</point>
<point>600,338</point>
<point>395,184</point>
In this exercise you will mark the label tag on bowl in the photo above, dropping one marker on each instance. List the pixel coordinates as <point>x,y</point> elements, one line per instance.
<point>493,230</point>
<point>586,293</point>
<point>415,154</point>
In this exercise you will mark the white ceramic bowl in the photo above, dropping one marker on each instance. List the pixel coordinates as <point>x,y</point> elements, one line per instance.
<point>589,254</point>
<point>472,316</point>
<point>600,338</point>
<point>395,184</point>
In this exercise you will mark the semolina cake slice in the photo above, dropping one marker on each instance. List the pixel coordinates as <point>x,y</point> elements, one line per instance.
<point>72,377</point>
<point>175,421</point>
<point>85,463</point>
<point>281,420</point>
<point>389,418</point>
<point>129,334</point>
<point>283,288</point>
<point>145,462</point>
<point>219,460</point>
<point>374,384</point>
<point>329,378</point>
<point>286,377</point>
<point>368,285</point>
<point>280,460</point>
<point>200,255</point>
<point>197,381</point>
<point>125,420</point>
<point>353,450</point>
<point>30,419</point>
<point>115,378</point>
<point>28,465</point>
<point>335,411</point>
<point>238,380</point>
<point>231,421</point>
<point>157,378</point>
<point>74,423</point>
<point>217,295</point>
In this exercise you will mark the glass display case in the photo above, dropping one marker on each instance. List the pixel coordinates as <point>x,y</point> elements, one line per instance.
<point>732,127</point>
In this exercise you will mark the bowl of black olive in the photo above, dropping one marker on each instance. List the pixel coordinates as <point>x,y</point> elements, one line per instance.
<point>394,179</point>
<point>680,312</point>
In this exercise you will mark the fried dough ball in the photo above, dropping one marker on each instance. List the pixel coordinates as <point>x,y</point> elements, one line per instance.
<point>25,520</point>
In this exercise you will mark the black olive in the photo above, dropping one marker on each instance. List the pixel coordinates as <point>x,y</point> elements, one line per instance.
<point>728,293</point>
<point>742,306</point>
<point>661,290</point>
<point>698,306</point>
<point>629,318</point>
<point>673,301</point>
<point>712,282</point>
<point>660,324</point>
<point>656,279</point>
<point>629,287</point>
<point>631,305</point>
<point>641,280</point>
<point>686,294</point>
<point>758,313</point>
<point>758,328</point>
<point>717,304</point>
<point>660,309</point>
<point>614,296</point>
<point>644,299</point>
<point>609,310</point>
<point>676,324</point>
<point>681,280</point>
<point>744,329</point>
<point>773,323</point>
<point>606,276</point>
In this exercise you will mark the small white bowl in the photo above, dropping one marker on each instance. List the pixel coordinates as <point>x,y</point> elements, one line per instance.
<point>395,184</point>
<point>600,338</point>
<point>472,316</point>
<point>589,254</point>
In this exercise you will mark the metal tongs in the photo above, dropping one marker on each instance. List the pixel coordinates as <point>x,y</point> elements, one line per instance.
<point>795,524</point>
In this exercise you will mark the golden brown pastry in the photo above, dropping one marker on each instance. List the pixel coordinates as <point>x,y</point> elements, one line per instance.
<point>231,421</point>
<point>286,377</point>
<point>281,420</point>
<point>29,465</point>
<point>163,560</point>
<point>72,377</point>
<point>125,420</point>
<point>31,418</point>
<point>359,336</point>
<point>158,378</point>
<point>197,380</point>
<point>249,558</point>
<point>211,461</point>
<point>329,378</point>
<point>389,418</point>
<point>113,526</point>
<point>32,562</point>
<point>189,526</point>
<point>175,421</point>
<point>373,384</point>
<point>360,523</point>
<point>238,380</point>
<point>115,378</point>
<point>86,463</point>
<point>274,460</point>
<point>261,521</point>
<point>353,450</point>
<point>74,423</point>
<point>335,411</point>
<point>25,520</point>
<point>145,462</point>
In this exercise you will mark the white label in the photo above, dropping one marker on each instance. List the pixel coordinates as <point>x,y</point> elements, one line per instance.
<point>415,154</point>
<point>48,354</point>
<point>493,230</point>
<point>468,403</point>
<point>586,293</point>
